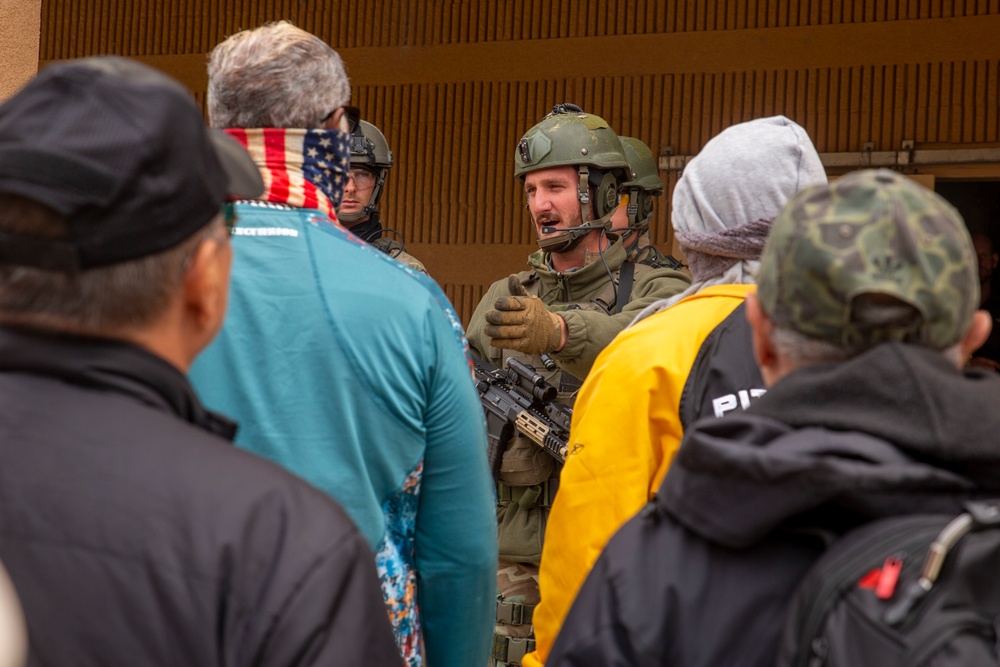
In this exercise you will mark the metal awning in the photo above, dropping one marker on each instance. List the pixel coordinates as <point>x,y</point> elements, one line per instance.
<point>907,156</point>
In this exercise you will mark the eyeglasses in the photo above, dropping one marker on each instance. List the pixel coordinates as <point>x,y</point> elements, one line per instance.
<point>352,114</point>
<point>363,179</point>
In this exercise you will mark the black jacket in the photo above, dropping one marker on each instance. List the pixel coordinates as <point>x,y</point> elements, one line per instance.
<point>136,537</point>
<point>703,575</point>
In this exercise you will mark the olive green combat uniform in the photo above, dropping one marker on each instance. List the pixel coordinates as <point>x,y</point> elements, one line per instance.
<point>595,301</point>
<point>587,299</point>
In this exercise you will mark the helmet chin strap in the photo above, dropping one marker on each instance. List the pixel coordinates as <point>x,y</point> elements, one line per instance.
<point>632,208</point>
<point>354,217</point>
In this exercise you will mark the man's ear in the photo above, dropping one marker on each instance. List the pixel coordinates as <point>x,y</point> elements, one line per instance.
<point>977,333</point>
<point>763,348</point>
<point>206,289</point>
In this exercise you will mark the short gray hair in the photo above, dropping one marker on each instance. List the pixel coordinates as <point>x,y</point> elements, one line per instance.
<point>276,75</point>
<point>872,310</point>
<point>97,301</point>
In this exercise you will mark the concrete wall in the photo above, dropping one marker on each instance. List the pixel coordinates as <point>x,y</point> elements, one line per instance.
<point>19,32</point>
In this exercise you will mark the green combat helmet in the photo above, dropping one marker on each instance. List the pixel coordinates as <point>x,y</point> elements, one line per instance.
<point>640,189</point>
<point>644,184</point>
<point>370,150</point>
<point>870,233</point>
<point>570,137</point>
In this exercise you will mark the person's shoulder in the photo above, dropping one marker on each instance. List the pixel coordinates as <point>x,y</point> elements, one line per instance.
<point>409,260</point>
<point>266,220</point>
<point>181,474</point>
<point>656,266</point>
<point>644,271</point>
<point>689,320</point>
<point>221,479</point>
<point>638,352</point>
<point>410,295</point>
<point>349,254</point>
<point>709,301</point>
<point>200,454</point>
<point>733,291</point>
<point>658,282</point>
<point>396,250</point>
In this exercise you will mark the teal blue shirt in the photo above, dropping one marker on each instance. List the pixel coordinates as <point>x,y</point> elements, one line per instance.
<point>351,370</point>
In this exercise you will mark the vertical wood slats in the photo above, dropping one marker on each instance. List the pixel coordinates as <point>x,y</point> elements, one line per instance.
<point>469,130</point>
<point>72,28</point>
<point>453,142</point>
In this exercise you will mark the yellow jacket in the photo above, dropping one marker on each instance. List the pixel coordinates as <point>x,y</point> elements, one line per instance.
<point>625,432</point>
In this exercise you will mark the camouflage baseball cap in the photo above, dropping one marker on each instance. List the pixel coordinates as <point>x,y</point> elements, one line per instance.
<point>870,233</point>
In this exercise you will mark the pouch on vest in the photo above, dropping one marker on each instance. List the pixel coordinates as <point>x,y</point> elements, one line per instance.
<point>911,590</point>
<point>524,463</point>
<point>520,531</point>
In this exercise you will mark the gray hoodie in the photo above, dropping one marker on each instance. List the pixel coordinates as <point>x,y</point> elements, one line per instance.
<point>728,195</point>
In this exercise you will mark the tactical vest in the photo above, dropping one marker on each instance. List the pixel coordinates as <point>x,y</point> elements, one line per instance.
<point>391,247</point>
<point>652,257</point>
<point>528,476</point>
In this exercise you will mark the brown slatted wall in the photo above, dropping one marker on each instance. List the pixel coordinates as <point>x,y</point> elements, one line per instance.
<point>152,27</point>
<point>451,194</point>
<point>478,124</point>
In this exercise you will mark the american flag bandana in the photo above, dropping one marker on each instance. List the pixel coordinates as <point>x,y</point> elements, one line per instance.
<point>301,168</point>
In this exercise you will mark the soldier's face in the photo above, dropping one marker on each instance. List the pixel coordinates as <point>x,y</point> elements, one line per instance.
<point>357,192</point>
<point>552,198</point>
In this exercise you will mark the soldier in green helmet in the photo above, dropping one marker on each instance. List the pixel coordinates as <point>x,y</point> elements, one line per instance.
<point>371,161</point>
<point>580,291</point>
<point>636,210</point>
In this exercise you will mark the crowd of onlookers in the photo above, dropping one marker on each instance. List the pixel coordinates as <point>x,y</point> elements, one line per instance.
<point>169,288</point>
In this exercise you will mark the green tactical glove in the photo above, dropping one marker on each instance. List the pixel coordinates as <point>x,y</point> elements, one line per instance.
<point>522,322</point>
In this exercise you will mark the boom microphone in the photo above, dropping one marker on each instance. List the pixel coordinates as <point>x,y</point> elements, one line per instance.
<point>552,230</point>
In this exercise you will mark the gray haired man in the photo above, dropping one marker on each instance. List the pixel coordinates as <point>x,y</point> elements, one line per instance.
<point>346,367</point>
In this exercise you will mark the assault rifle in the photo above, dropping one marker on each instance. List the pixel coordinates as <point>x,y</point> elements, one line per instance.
<point>519,399</point>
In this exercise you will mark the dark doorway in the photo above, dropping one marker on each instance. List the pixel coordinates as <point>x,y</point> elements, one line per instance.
<point>977,201</point>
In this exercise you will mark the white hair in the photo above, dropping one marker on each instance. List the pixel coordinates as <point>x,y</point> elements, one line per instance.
<point>276,75</point>
<point>869,310</point>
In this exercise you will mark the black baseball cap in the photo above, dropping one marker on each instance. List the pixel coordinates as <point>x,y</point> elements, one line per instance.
<point>122,151</point>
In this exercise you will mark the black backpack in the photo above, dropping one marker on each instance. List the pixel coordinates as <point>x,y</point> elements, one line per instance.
<point>911,590</point>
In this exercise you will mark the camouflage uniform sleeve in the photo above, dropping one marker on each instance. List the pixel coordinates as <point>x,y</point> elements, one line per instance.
<point>411,261</point>
<point>395,249</point>
<point>589,332</point>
